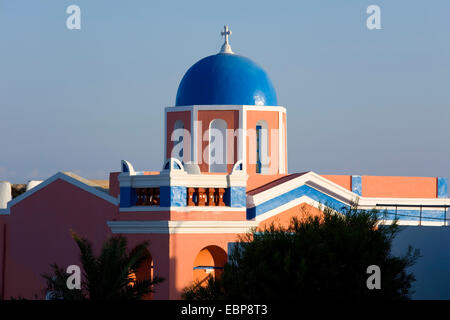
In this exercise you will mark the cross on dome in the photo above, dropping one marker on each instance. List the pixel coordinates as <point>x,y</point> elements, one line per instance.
<point>226,48</point>
<point>226,32</point>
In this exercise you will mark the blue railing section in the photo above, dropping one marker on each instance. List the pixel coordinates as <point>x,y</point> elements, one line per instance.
<point>424,213</point>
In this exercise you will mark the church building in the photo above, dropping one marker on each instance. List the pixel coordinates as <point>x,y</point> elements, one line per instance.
<point>225,171</point>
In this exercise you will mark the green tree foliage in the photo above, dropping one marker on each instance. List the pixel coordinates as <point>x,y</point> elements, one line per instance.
<point>314,258</point>
<point>105,277</point>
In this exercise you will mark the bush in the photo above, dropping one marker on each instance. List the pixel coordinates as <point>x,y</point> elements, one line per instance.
<point>316,257</point>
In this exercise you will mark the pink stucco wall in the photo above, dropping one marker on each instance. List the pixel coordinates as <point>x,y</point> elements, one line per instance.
<point>390,187</point>
<point>38,234</point>
<point>401,187</point>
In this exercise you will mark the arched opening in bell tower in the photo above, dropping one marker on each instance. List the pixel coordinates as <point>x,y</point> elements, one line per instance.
<point>217,146</point>
<point>262,147</point>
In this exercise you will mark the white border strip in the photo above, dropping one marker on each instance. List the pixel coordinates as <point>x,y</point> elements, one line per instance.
<point>181,209</point>
<point>165,137</point>
<point>415,223</point>
<point>226,107</point>
<point>181,227</point>
<point>280,144</point>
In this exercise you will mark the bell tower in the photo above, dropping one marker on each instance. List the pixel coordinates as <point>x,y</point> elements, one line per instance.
<point>226,117</point>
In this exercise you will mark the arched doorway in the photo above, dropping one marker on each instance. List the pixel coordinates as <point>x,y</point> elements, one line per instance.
<point>145,272</point>
<point>209,262</point>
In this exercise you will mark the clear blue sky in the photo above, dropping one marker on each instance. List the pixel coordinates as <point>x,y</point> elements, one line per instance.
<point>359,101</point>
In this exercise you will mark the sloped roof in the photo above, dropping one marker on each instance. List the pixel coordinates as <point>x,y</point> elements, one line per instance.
<point>275,183</point>
<point>72,178</point>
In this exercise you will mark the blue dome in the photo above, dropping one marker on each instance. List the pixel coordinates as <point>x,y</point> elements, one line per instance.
<point>225,79</point>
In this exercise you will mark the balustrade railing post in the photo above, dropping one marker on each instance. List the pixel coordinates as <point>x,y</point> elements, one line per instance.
<point>445,216</point>
<point>190,197</point>
<point>201,197</point>
<point>420,220</point>
<point>152,196</point>
<point>220,193</point>
<point>147,196</point>
<point>211,199</point>
<point>139,197</point>
<point>157,193</point>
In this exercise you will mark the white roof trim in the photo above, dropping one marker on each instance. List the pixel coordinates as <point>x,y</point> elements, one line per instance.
<point>334,190</point>
<point>71,178</point>
<point>186,227</point>
<point>311,179</point>
<point>225,107</point>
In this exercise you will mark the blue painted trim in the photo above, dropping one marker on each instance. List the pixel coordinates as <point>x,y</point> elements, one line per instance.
<point>442,187</point>
<point>173,196</point>
<point>235,197</point>
<point>357,185</point>
<point>127,197</point>
<point>292,195</point>
<point>164,196</point>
